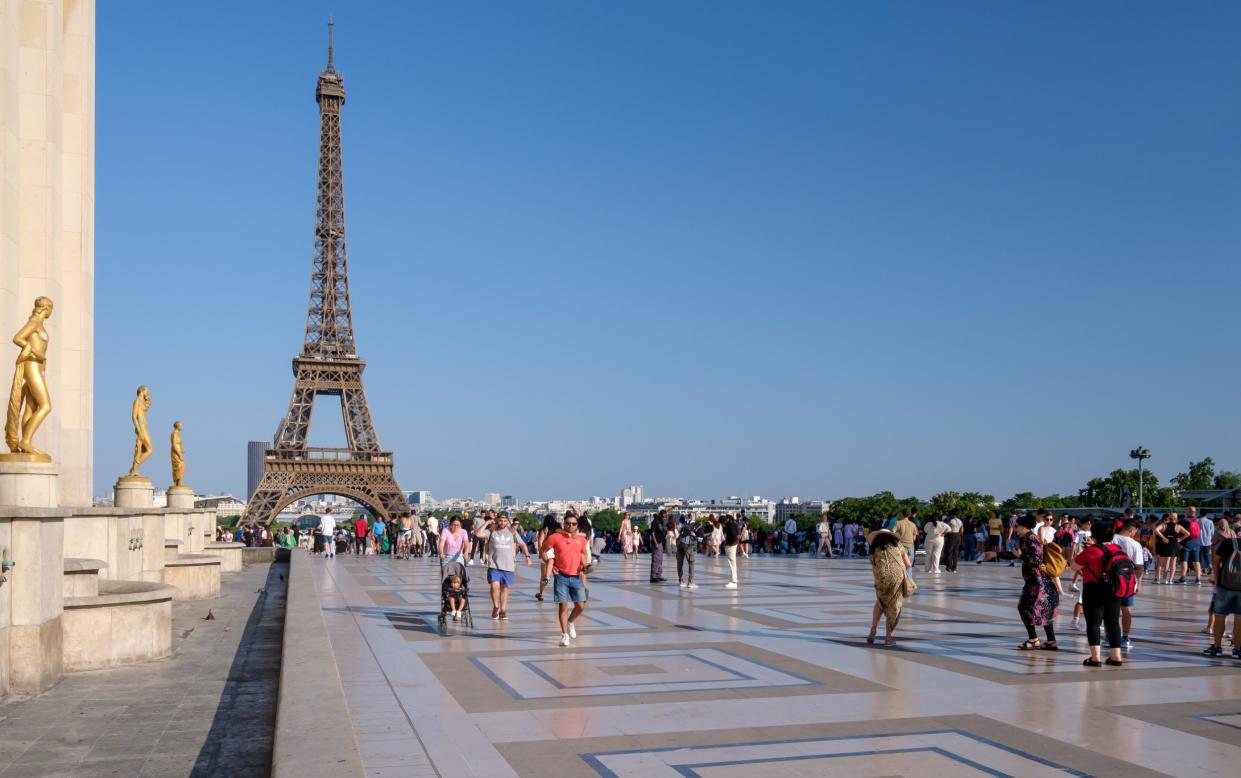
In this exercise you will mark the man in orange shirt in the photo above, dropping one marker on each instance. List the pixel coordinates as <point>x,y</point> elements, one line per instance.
<point>566,550</point>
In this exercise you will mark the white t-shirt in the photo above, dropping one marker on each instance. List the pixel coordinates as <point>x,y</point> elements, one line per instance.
<point>955,525</point>
<point>935,529</point>
<point>1045,534</point>
<point>327,524</point>
<point>1131,547</point>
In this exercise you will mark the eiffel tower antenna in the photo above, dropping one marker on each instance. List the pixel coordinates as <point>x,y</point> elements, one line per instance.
<point>330,25</point>
<point>329,363</point>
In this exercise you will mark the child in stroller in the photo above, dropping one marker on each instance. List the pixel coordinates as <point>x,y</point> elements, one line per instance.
<point>454,594</point>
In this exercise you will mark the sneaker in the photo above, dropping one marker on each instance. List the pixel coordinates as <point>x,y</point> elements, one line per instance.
<point>730,585</point>
<point>564,639</point>
<point>1213,651</point>
<point>503,615</point>
<point>1197,582</point>
<point>1077,624</point>
<point>744,555</point>
<point>495,614</point>
<point>692,586</point>
<point>683,584</point>
<point>572,631</point>
<point>1181,580</point>
<point>1236,652</point>
<point>1125,643</point>
<point>456,615</point>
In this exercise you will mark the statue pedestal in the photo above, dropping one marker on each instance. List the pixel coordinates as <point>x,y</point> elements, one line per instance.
<point>133,491</point>
<point>180,497</point>
<point>27,481</point>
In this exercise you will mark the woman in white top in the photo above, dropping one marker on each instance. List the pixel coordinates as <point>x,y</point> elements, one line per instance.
<point>935,530</point>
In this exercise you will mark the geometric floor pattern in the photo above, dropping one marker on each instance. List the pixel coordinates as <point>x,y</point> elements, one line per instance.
<point>771,679</point>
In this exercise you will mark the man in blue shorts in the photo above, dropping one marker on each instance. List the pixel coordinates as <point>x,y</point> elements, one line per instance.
<point>500,557</point>
<point>567,549</point>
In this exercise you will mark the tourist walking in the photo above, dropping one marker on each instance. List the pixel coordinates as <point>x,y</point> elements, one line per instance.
<point>889,564</point>
<point>550,527</point>
<point>659,537</point>
<point>952,540</point>
<point>732,538</point>
<point>361,529</point>
<point>454,543</point>
<point>933,543</point>
<point>1168,537</point>
<point>1191,547</point>
<point>500,556</point>
<point>823,537</point>
<point>687,548</point>
<point>327,528</point>
<point>566,551</point>
<point>1127,540</point>
<point>1100,603</point>
<point>907,532</point>
<point>1226,564</point>
<point>628,538</point>
<point>1039,598</point>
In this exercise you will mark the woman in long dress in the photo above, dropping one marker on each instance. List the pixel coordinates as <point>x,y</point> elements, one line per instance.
<point>888,563</point>
<point>1039,598</point>
<point>628,544</point>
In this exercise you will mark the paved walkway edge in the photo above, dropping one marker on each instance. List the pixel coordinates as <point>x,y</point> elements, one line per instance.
<point>314,734</point>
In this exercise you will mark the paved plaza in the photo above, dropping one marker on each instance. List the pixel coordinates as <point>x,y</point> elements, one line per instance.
<point>208,710</point>
<point>772,679</point>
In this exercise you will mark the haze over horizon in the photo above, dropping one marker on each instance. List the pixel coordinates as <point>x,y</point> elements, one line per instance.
<point>789,249</point>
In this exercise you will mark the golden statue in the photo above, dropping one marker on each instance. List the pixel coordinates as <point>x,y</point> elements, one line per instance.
<point>178,455</point>
<point>29,400</point>
<point>142,445</point>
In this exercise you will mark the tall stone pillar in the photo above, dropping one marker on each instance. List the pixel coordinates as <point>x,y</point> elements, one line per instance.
<point>47,200</point>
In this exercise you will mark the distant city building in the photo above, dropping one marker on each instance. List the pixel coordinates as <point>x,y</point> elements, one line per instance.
<point>508,501</point>
<point>752,507</point>
<point>255,451</point>
<point>419,498</point>
<point>491,498</point>
<point>792,506</point>
<point>224,504</point>
<point>630,495</point>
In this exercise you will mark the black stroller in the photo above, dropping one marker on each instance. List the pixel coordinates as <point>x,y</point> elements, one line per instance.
<point>448,571</point>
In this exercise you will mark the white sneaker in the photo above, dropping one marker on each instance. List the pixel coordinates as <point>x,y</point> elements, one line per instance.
<point>745,555</point>
<point>683,584</point>
<point>692,586</point>
<point>572,631</point>
<point>730,585</point>
<point>564,639</point>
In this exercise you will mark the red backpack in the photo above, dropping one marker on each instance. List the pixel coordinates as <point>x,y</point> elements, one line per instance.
<point>1119,577</point>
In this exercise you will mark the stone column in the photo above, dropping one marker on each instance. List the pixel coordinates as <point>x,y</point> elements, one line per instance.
<point>28,484</point>
<point>37,581</point>
<point>133,491</point>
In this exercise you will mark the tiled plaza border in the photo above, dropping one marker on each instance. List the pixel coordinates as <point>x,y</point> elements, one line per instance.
<point>578,758</point>
<point>475,692</point>
<point>745,613</point>
<point>413,626</point>
<point>1190,717</point>
<point>906,648</point>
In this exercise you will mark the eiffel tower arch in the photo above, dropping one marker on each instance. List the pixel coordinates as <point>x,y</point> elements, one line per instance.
<point>329,363</point>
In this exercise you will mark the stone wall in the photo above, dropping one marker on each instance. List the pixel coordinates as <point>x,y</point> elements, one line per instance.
<point>47,203</point>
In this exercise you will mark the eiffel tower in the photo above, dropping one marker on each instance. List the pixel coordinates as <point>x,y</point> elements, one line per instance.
<point>328,364</point>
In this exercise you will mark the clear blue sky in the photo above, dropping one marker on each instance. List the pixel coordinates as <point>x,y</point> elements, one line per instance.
<point>711,247</point>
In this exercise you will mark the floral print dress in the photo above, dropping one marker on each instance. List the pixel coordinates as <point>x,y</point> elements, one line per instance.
<point>1039,598</point>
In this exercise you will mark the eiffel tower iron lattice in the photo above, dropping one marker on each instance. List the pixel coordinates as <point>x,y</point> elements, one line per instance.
<point>328,364</point>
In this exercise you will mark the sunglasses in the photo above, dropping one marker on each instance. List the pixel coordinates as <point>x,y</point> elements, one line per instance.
<point>570,523</point>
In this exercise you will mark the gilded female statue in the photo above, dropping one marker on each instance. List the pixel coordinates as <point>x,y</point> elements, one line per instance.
<point>178,455</point>
<point>138,414</point>
<point>29,400</point>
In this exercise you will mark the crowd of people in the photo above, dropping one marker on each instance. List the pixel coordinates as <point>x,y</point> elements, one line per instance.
<point>1106,559</point>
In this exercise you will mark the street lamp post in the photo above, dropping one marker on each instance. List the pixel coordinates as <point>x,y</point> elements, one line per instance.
<point>1140,454</point>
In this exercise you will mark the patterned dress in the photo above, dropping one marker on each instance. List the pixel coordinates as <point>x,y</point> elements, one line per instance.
<point>888,567</point>
<point>1039,598</point>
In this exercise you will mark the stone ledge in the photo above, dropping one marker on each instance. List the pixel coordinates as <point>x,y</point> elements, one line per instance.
<point>113,593</point>
<point>84,565</point>
<point>317,706</point>
<point>189,560</point>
